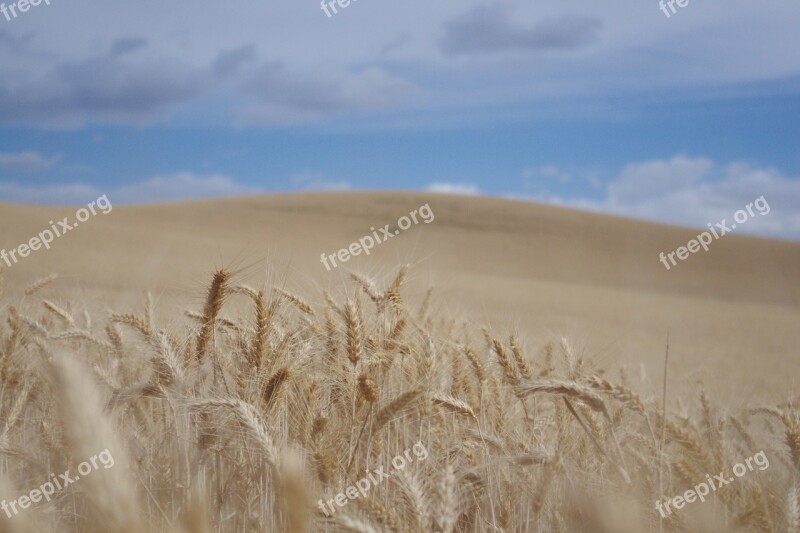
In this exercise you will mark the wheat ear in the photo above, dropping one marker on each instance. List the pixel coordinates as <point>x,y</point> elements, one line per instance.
<point>61,313</point>
<point>264,317</point>
<point>395,407</point>
<point>38,284</point>
<point>354,341</point>
<point>453,404</point>
<point>519,357</point>
<point>134,322</point>
<point>274,385</point>
<point>298,302</point>
<point>570,389</point>
<point>216,294</point>
<point>369,288</point>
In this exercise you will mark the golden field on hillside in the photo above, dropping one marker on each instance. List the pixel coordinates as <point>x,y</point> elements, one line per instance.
<point>516,368</point>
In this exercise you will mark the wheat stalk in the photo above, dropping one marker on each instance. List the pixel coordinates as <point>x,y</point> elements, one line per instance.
<point>369,288</point>
<point>59,312</point>
<point>37,285</point>
<point>134,322</point>
<point>216,294</point>
<point>354,329</point>
<point>395,407</point>
<point>453,404</point>
<point>278,379</point>
<point>522,363</point>
<point>298,302</point>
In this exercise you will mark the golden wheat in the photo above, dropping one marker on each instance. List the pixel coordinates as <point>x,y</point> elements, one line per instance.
<point>322,399</point>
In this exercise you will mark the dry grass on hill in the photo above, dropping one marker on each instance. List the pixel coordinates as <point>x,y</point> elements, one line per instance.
<point>242,422</point>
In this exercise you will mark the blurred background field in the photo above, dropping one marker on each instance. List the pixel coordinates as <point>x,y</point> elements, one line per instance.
<point>732,314</point>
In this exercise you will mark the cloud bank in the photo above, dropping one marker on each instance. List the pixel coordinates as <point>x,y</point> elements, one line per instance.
<point>693,191</point>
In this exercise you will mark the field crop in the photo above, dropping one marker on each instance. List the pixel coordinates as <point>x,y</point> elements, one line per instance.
<point>245,413</point>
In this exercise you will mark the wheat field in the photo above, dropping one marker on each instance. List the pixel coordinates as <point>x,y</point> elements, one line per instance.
<point>248,410</point>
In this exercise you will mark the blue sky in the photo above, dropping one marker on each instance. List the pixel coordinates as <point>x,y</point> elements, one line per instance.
<point>602,106</point>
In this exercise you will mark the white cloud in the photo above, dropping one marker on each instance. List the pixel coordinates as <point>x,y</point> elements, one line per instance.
<point>282,95</point>
<point>467,189</point>
<point>549,172</point>
<point>652,179</point>
<point>308,180</point>
<point>695,191</point>
<point>70,193</point>
<point>180,186</point>
<point>26,162</point>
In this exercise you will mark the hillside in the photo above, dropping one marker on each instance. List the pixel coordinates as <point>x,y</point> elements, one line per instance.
<point>732,313</point>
